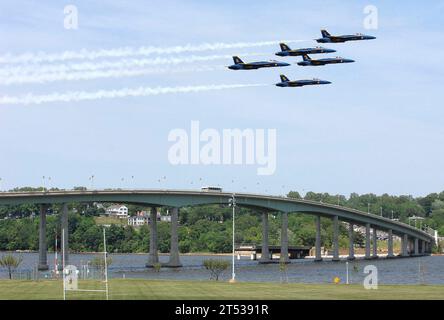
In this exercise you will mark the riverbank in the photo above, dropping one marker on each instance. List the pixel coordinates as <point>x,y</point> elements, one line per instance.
<point>130,289</point>
<point>125,253</point>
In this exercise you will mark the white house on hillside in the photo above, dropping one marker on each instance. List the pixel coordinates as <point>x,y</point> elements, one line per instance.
<point>119,211</point>
<point>143,217</point>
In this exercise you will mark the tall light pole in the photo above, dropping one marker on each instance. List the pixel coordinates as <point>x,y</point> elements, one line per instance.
<point>368,207</point>
<point>232,204</point>
<point>92,181</point>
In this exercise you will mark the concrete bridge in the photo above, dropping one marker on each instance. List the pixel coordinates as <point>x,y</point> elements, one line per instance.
<point>414,242</point>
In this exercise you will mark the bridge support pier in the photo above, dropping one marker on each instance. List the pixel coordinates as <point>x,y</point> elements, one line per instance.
<point>375,244</point>
<point>318,256</point>
<point>404,244</point>
<point>416,247</point>
<point>367,241</point>
<point>174,261</point>
<point>153,257</point>
<point>423,247</point>
<point>390,244</point>
<point>43,258</point>
<point>265,254</point>
<point>335,238</point>
<point>351,247</point>
<point>64,227</point>
<point>284,238</point>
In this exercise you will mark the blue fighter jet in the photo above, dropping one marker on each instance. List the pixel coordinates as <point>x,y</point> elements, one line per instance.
<point>287,52</point>
<point>240,65</point>
<point>322,62</point>
<point>328,38</point>
<point>299,83</point>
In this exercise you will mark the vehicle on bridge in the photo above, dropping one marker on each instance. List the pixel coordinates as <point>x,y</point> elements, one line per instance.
<point>287,52</point>
<point>285,82</point>
<point>211,189</point>
<point>240,65</point>
<point>328,38</point>
<point>307,61</point>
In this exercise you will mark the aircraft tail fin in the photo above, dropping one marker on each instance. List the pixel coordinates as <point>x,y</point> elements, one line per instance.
<point>325,33</point>
<point>237,60</point>
<point>284,47</point>
<point>284,78</point>
<point>306,57</point>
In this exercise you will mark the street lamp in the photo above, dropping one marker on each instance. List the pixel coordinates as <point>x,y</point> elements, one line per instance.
<point>368,207</point>
<point>232,204</point>
<point>44,185</point>
<point>92,181</point>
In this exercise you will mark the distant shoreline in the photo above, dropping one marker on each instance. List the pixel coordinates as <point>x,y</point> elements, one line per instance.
<point>145,253</point>
<point>125,253</point>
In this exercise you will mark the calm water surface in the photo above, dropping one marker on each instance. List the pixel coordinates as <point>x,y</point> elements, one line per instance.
<point>421,270</point>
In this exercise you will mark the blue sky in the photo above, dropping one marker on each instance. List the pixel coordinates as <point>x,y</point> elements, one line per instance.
<point>377,128</point>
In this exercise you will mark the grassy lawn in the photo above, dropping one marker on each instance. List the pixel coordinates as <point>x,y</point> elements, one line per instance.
<point>205,290</point>
<point>103,220</point>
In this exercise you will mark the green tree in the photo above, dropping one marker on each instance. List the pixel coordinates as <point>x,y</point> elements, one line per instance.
<point>216,267</point>
<point>11,263</point>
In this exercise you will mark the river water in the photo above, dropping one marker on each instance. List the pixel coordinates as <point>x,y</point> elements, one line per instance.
<point>421,270</point>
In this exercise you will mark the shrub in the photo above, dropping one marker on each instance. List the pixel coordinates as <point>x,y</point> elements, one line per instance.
<point>216,267</point>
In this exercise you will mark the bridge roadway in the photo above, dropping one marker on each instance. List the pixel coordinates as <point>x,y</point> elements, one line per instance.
<point>414,242</point>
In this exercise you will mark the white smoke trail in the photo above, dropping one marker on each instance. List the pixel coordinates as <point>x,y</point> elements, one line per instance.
<point>89,75</point>
<point>129,51</point>
<point>124,63</point>
<point>109,94</point>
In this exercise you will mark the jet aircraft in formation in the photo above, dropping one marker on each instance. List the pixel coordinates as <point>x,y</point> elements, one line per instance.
<point>240,65</point>
<point>285,82</point>
<point>286,51</point>
<point>328,38</point>
<point>307,61</point>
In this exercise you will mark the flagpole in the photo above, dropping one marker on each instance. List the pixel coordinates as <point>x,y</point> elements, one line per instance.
<point>63,263</point>
<point>106,264</point>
